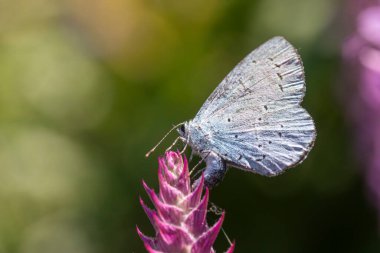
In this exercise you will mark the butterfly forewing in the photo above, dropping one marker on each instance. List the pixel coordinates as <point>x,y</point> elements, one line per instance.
<point>272,72</point>
<point>267,145</point>
<point>254,114</point>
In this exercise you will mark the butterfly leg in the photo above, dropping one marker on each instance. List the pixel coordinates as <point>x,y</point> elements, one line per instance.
<point>215,170</point>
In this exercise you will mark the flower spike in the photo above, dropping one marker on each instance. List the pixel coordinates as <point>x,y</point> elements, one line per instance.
<point>180,215</point>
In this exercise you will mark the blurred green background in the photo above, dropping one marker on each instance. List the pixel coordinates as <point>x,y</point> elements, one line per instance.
<point>87,87</point>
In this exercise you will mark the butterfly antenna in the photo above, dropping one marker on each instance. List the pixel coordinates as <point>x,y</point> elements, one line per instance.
<point>166,135</point>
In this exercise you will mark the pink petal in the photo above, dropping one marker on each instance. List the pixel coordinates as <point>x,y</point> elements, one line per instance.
<point>193,198</point>
<point>196,220</point>
<point>144,238</point>
<point>149,212</point>
<point>152,195</point>
<point>169,213</point>
<point>151,250</point>
<point>232,248</point>
<point>177,172</point>
<point>207,239</point>
<point>172,237</point>
<point>168,193</point>
<point>174,162</point>
<point>169,175</point>
<point>184,178</point>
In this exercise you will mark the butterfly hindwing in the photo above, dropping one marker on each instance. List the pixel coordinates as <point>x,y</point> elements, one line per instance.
<point>267,145</point>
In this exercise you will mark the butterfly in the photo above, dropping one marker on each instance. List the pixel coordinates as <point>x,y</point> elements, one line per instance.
<point>253,120</point>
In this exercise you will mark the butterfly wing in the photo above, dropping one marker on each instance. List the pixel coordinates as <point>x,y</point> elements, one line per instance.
<point>267,143</point>
<point>271,72</point>
<point>254,115</point>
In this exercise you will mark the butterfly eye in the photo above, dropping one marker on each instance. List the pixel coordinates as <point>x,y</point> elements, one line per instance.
<point>182,128</point>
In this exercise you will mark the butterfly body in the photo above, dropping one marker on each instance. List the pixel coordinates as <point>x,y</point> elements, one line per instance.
<point>253,119</point>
